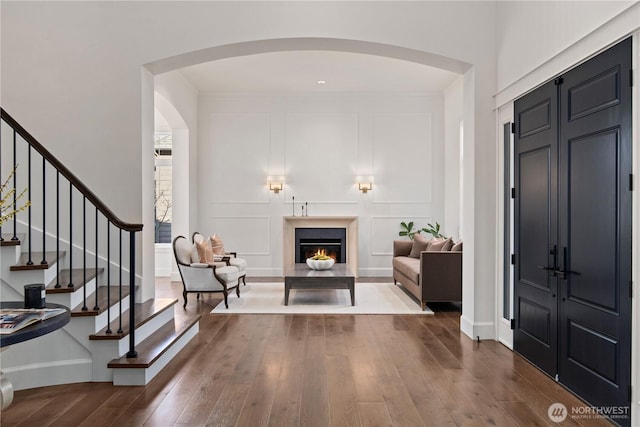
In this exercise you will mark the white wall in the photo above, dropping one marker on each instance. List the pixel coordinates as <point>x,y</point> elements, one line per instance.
<point>71,75</point>
<point>452,176</point>
<point>320,143</point>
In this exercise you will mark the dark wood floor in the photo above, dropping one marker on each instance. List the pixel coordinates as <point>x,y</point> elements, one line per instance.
<point>314,370</point>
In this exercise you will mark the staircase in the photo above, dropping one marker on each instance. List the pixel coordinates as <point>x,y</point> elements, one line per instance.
<point>85,255</point>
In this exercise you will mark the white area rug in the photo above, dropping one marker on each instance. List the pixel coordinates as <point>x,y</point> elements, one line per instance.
<point>371,298</point>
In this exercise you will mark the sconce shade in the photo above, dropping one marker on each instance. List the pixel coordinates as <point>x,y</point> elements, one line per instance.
<point>275,184</point>
<point>365,184</point>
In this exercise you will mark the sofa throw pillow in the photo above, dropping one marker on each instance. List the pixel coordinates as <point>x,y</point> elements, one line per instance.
<point>437,245</point>
<point>204,252</point>
<point>419,245</point>
<point>457,247</point>
<point>216,245</point>
<point>448,244</point>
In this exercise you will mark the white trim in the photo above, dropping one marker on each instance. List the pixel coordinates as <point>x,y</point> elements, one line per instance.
<point>49,373</point>
<point>504,116</point>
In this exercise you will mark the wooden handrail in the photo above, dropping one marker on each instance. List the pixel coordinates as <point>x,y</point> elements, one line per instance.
<point>75,181</point>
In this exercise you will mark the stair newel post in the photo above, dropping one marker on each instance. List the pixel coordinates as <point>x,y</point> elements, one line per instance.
<point>15,182</point>
<point>58,229</point>
<point>132,295</point>
<point>44,212</point>
<point>84,253</point>
<point>30,261</point>
<point>120,285</point>
<point>70,285</point>
<point>108,277</point>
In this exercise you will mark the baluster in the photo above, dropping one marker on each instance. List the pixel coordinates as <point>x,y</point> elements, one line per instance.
<point>70,285</point>
<point>108,276</point>
<point>84,253</point>
<point>120,284</point>
<point>44,213</point>
<point>1,238</point>
<point>132,296</point>
<point>30,261</point>
<point>58,229</point>
<point>96,307</point>
<point>15,186</point>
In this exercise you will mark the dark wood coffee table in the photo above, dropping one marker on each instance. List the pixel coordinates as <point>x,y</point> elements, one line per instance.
<point>300,276</point>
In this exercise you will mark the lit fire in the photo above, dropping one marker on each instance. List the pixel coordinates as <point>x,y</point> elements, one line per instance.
<point>322,253</point>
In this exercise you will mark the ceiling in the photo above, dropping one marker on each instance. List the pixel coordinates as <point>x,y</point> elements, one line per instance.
<point>300,71</point>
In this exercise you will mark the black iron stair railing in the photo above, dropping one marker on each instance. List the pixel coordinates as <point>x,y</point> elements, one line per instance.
<point>36,182</point>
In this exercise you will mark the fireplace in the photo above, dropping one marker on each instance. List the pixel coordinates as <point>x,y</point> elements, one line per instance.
<point>292,223</point>
<point>332,241</point>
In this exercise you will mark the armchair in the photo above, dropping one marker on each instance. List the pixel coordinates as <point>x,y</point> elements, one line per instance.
<point>231,258</point>
<point>198,277</point>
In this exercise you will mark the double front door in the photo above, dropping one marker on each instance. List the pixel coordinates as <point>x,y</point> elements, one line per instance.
<point>572,159</point>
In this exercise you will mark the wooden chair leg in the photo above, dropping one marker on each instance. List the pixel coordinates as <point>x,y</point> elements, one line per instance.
<point>238,290</point>
<point>184,295</point>
<point>226,302</point>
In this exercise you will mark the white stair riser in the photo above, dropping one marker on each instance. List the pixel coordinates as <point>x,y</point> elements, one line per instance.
<point>73,299</point>
<point>142,376</point>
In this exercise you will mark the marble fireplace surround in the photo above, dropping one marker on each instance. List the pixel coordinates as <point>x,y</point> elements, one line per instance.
<point>290,223</point>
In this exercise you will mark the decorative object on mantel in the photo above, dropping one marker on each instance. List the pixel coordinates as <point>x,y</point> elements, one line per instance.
<point>320,261</point>
<point>293,205</point>
<point>365,183</point>
<point>276,184</point>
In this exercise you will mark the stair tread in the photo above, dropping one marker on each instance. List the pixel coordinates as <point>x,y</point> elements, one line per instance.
<point>7,239</point>
<point>144,312</point>
<point>75,276</point>
<point>103,303</point>
<point>153,347</point>
<point>36,257</point>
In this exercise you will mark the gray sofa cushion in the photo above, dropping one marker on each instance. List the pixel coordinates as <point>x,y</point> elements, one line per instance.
<point>457,247</point>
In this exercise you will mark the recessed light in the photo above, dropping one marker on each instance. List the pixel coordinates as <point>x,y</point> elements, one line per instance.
<point>321,82</point>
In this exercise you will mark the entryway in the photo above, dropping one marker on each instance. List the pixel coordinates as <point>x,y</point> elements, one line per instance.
<point>573,183</point>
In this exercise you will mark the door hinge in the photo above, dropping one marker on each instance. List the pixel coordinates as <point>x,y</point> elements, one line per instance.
<point>630,182</point>
<point>513,323</point>
<point>513,128</point>
<point>513,259</point>
<point>558,81</point>
<point>513,193</point>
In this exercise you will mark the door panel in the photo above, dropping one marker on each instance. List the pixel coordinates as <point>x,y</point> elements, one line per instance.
<point>572,159</point>
<point>595,228</point>
<point>535,231</point>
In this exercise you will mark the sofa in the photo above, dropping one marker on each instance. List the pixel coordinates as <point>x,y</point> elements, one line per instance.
<point>431,270</point>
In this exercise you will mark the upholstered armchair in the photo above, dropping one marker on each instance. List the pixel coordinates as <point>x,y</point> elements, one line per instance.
<point>198,277</point>
<point>231,258</point>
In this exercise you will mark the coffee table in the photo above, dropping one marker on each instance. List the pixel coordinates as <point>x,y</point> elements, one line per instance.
<point>300,276</point>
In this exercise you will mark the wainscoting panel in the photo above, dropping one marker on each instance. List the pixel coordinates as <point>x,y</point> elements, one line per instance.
<point>240,156</point>
<point>402,157</point>
<point>321,154</point>
<point>247,235</point>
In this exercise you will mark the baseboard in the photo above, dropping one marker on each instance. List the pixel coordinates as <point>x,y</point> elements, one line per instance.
<point>482,330</point>
<point>505,333</point>
<point>48,374</point>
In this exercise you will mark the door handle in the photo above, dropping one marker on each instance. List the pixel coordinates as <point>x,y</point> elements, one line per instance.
<point>554,269</point>
<point>563,273</point>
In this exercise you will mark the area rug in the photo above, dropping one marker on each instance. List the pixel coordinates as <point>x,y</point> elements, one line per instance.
<point>371,298</point>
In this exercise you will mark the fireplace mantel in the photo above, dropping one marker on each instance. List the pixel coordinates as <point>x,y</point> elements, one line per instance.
<point>290,223</point>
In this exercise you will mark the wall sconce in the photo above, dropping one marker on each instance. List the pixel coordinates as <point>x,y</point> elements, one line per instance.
<point>276,184</point>
<point>365,184</point>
